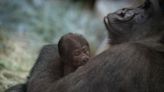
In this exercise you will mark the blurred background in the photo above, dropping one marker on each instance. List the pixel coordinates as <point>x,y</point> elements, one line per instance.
<point>27,25</point>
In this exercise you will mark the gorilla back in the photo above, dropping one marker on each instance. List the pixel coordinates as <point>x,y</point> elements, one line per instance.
<point>135,61</point>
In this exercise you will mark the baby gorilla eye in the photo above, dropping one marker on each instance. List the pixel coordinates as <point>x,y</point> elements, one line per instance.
<point>85,49</point>
<point>76,52</point>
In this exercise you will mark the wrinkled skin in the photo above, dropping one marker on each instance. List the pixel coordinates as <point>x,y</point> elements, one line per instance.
<point>134,62</point>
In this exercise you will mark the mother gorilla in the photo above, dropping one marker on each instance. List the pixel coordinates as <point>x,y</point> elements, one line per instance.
<point>135,61</point>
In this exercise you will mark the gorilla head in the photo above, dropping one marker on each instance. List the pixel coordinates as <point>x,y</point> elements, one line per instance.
<point>128,24</point>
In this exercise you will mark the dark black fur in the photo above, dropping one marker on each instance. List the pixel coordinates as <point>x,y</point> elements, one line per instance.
<point>47,56</point>
<point>46,70</point>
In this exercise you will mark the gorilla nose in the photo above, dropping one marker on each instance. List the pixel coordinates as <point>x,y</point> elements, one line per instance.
<point>124,15</point>
<point>122,12</point>
<point>85,60</point>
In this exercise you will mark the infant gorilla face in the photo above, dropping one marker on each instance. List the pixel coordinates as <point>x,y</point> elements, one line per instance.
<point>80,56</point>
<point>74,50</point>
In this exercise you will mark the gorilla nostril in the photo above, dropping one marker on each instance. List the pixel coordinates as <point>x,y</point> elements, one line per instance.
<point>85,60</point>
<point>122,14</point>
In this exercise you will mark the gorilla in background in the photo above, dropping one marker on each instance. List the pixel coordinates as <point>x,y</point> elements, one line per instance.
<point>135,61</point>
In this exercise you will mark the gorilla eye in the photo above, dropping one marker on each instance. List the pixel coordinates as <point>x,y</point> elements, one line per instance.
<point>76,53</point>
<point>85,50</point>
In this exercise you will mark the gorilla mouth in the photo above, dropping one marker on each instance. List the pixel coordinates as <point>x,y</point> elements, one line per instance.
<point>107,23</point>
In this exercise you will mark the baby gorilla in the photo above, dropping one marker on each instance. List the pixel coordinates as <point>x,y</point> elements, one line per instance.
<point>55,62</point>
<point>74,51</point>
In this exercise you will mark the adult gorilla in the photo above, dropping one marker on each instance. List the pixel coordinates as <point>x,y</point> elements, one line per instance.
<point>135,61</point>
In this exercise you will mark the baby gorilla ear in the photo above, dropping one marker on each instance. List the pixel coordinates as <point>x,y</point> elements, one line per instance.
<point>60,46</point>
